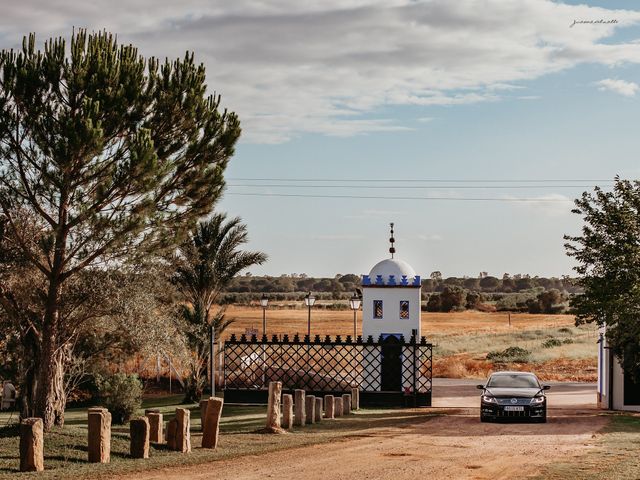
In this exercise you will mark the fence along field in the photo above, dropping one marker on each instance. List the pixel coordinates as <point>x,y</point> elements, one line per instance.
<point>558,350</point>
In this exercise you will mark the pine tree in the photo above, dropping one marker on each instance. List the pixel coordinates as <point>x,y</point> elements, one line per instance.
<point>116,156</point>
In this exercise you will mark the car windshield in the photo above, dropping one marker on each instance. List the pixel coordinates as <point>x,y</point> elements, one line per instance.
<point>513,381</point>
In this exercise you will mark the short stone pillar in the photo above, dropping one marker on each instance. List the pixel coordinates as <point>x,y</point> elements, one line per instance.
<point>329,407</point>
<point>273,408</point>
<point>203,412</point>
<point>212,423</point>
<point>139,433</point>
<point>31,445</point>
<point>99,435</point>
<point>172,429</point>
<point>183,430</point>
<point>355,398</point>
<point>346,404</point>
<point>287,411</point>
<point>310,409</point>
<point>156,427</point>
<point>337,407</point>
<point>318,415</point>
<point>299,408</point>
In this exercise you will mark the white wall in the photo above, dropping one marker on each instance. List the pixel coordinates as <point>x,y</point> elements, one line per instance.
<point>391,321</point>
<point>604,380</point>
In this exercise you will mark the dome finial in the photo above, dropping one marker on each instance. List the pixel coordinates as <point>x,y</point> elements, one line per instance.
<point>392,250</point>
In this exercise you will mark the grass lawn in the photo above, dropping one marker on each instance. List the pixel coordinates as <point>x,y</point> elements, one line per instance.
<point>66,449</point>
<point>617,455</point>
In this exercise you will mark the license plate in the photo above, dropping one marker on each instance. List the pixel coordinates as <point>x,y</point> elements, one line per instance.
<point>513,409</point>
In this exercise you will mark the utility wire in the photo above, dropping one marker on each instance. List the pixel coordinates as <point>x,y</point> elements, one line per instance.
<point>439,187</point>
<point>425,180</point>
<point>377,197</point>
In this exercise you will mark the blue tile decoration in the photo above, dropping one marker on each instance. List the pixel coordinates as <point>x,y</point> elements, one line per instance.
<point>366,280</point>
<point>392,280</point>
<point>404,282</point>
<point>379,280</point>
<point>416,281</point>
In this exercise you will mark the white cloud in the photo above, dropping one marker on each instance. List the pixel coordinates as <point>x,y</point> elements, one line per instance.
<point>289,67</point>
<point>429,237</point>
<point>622,87</point>
<point>551,205</point>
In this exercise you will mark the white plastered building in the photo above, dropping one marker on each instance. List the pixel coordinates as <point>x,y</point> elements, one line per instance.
<point>391,300</point>
<point>616,391</point>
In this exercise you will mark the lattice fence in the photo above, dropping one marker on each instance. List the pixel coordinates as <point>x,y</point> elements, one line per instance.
<point>322,365</point>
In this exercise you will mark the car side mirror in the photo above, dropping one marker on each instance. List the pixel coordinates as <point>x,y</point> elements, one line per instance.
<point>546,387</point>
<point>480,387</point>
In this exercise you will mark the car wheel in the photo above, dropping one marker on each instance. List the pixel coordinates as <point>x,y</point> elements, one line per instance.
<point>484,419</point>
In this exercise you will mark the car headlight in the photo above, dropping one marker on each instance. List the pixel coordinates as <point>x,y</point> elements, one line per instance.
<point>488,399</point>
<point>537,400</point>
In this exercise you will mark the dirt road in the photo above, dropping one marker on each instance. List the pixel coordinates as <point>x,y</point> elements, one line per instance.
<point>452,446</point>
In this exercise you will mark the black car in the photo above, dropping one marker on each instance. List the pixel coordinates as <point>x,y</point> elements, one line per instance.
<point>513,395</point>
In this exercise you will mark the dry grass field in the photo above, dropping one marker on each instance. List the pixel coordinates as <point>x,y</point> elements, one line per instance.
<point>461,340</point>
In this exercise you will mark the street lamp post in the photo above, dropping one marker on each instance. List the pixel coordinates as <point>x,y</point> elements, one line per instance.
<point>309,300</point>
<point>354,303</point>
<point>264,301</point>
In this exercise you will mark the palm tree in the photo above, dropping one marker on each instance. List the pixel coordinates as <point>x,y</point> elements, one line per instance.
<point>205,264</point>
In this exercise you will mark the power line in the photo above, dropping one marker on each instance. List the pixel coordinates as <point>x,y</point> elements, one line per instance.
<point>439,187</point>
<point>377,197</point>
<point>425,180</point>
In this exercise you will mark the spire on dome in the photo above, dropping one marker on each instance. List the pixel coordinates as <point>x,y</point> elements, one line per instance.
<point>392,249</point>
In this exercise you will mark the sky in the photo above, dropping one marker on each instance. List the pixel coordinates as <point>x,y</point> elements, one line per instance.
<point>470,124</point>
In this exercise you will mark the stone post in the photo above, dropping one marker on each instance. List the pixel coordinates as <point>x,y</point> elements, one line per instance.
<point>329,407</point>
<point>299,407</point>
<point>318,409</point>
<point>346,404</point>
<point>273,407</point>
<point>139,433</point>
<point>183,430</point>
<point>203,412</point>
<point>287,411</point>
<point>355,398</point>
<point>156,424</point>
<point>310,410</point>
<point>172,429</point>
<point>212,423</point>
<point>99,435</point>
<point>31,445</point>
<point>337,407</point>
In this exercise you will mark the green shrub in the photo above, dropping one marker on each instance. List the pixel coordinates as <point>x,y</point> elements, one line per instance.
<point>552,342</point>
<point>565,330</point>
<point>121,394</point>
<point>567,341</point>
<point>510,355</point>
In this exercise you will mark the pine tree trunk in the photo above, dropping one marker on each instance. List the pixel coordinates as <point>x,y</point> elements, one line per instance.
<point>50,398</point>
<point>29,386</point>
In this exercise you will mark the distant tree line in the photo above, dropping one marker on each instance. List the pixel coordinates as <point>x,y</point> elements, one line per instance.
<point>510,293</point>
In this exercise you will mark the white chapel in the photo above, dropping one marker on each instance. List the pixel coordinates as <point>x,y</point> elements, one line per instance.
<point>391,295</point>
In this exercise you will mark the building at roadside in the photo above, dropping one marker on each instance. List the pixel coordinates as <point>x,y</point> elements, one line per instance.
<point>616,390</point>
